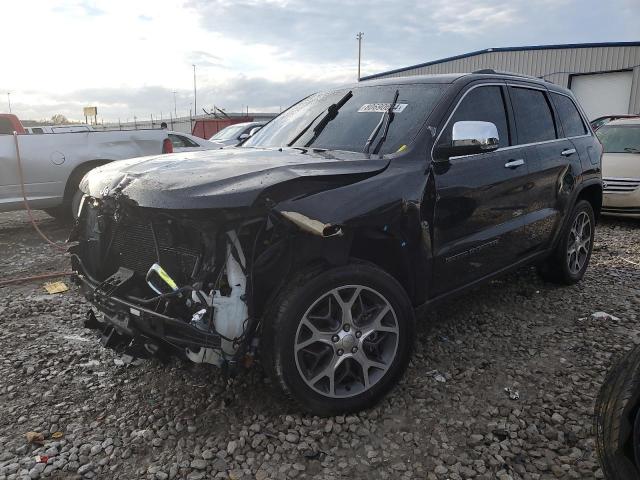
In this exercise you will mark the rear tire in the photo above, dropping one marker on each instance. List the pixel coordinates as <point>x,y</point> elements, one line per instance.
<point>617,419</point>
<point>68,211</point>
<point>58,213</point>
<point>74,204</point>
<point>570,259</point>
<point>338,340</point>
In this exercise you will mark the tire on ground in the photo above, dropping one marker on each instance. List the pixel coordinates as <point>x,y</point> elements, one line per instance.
<point>68,211</point>
<point>556,268</point>
<point>286,312</point>
<point>616,413</point>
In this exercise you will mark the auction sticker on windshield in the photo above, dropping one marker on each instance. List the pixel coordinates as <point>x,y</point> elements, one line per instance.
<point>382,107</point>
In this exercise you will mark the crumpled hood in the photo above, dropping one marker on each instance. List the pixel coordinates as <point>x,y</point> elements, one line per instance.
<point>228,178</point>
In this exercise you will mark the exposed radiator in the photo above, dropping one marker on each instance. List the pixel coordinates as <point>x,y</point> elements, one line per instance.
<point>133,247</point>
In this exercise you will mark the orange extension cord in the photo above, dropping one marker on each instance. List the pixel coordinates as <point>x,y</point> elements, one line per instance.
<point>58,247</point>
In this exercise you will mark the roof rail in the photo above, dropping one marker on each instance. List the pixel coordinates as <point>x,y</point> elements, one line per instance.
<point>491,71</point>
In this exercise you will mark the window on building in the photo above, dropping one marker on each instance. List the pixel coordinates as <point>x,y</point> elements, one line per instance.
<point>533,116</point>
<point>569,116</point>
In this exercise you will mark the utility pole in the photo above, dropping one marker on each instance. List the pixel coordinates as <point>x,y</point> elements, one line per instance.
<point>9,100</point>
<point>175,109</point>
<point>359,38</point>
<point>195,97</point>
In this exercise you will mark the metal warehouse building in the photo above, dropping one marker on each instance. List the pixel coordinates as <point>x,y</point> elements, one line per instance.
<point>605,77</point>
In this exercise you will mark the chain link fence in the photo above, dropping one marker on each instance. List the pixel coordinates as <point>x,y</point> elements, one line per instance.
<point>178,124</point>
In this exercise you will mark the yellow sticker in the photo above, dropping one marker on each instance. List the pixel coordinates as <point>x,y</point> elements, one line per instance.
<point>401,149</point>
<point>55,287</point>
<point>165,276</point>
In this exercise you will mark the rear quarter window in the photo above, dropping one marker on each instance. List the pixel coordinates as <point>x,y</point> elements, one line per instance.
<point>6,127</point>
<point>534,120</point>
<point>179,141</point>
<point>571,119</point>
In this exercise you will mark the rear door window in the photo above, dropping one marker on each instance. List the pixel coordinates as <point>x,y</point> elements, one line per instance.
<point>569,116</point>
<point>484,104</point>
<point>533,116</point>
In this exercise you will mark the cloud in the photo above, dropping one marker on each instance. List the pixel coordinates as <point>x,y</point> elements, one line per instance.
<point>264,53</point>
<point>82,8</point>
<point>234,94</point>
<point>403,32</point>
<point>475,19</point>
<point>205,59</point>
<point>90,9</point>
<point>325,31</point>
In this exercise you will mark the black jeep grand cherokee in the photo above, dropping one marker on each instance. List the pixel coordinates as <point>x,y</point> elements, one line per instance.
<point>314,243</point>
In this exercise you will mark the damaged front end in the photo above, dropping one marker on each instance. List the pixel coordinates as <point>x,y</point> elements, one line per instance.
<point>164,280</point>
<point>186,282</point>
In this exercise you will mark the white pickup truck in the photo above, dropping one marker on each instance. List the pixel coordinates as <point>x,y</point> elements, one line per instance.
<point>53,164</point>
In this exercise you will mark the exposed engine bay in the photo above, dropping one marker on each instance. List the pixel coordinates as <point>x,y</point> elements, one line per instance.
<point>184,282</point>
<point>188,256</point>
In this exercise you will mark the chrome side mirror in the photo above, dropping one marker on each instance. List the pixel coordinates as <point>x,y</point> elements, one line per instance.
<point>244,136</point>
<point>471,137</point>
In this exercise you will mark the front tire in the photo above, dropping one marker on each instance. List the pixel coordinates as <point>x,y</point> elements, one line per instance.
<point>570,259</point>
<point>338,340</point>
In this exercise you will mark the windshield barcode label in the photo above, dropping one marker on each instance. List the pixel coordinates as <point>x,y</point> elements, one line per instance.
<point>382,107</point>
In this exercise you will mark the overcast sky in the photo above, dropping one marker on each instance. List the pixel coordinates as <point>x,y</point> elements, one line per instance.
<point>127,57</point>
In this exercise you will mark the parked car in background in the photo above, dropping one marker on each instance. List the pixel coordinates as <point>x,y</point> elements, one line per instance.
<point>9,123</point>
<point>53,164</point>
<point>621,167</point>
<point>314,241</point>
<point>236,133</point>
<point>600,121</point>
<point>183,142</point>
<point>58,129</point>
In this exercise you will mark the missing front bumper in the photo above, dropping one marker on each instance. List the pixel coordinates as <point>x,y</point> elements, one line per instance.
<point>134,320</point>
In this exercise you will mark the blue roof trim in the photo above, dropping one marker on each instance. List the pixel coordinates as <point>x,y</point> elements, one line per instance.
<point>504,49</point>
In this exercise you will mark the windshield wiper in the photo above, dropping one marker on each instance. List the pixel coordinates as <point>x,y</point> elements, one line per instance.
<point>632,150</point>
<point>388,115</point>
<point>331,113</point>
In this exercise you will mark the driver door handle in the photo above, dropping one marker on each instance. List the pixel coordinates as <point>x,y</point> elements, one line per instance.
<point>567,152</point>
<point>514,163</point>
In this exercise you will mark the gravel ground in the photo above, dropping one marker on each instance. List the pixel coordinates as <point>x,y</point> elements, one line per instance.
<point>450,417</point>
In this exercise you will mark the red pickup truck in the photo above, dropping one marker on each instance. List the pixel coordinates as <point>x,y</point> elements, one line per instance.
<point>9,123</point>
